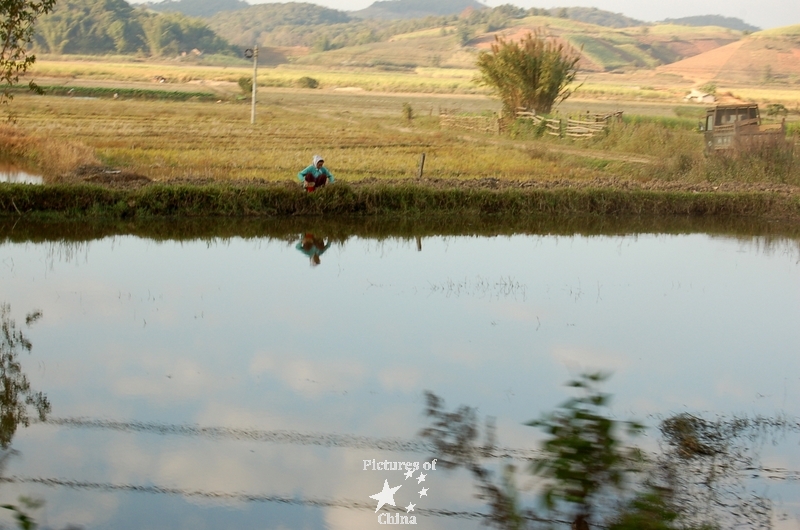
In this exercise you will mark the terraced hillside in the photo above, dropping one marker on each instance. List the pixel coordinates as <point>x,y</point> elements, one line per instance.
<point>765,57</point>
<point>602,48</point>
<point>606,49</point>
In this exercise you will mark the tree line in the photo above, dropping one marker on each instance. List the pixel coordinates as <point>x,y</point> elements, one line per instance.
<point>114,26</point>
<point>317,27</point>
<point>323,29</point>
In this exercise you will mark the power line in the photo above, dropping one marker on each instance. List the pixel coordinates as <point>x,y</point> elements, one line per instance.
<point>292,437</point>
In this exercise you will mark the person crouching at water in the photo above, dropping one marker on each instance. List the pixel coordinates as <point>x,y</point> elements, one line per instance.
<point>315,176</point>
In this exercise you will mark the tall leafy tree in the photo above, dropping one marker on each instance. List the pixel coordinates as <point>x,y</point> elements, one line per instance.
<point>171,33</point>
<point>55,31</point>
<point>89,26</point>
<point>17,18</point>
<point>534,73</point>
<point>114,26</point>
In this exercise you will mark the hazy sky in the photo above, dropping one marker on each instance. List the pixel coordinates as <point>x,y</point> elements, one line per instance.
<point>765,14</point>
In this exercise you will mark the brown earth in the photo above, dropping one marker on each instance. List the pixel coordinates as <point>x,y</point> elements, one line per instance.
<point>754,59</point>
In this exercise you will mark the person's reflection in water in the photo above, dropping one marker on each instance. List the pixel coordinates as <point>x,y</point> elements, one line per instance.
<point>313,247</point>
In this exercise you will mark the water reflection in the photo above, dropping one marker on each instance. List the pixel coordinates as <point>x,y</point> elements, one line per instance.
<point>16,397</point>
<point>179,364</point>
<point>313,246</point>
<point>16,176</point>
<point>704,474</point>
<point>16,394</point>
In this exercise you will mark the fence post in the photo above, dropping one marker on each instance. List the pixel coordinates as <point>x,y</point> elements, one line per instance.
<point>421,166</point>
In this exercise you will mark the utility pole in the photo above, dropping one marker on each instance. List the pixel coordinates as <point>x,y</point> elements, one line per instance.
<point>254,54</point>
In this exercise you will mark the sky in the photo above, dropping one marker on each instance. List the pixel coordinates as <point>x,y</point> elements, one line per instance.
<point>764,14</point>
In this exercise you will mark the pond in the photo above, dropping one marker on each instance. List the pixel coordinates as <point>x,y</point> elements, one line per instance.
<point>250,381</point>
<point>15,175</point>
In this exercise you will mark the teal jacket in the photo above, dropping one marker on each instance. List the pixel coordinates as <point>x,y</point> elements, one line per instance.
<point>313,249</point>
<point>316,172</point>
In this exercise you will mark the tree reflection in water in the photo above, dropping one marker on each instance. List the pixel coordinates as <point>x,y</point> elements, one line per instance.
<point>16,395</point>
<point>587,477</point>
<point>716,470</point>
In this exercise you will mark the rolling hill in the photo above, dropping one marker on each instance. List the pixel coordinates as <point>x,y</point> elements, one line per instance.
<point>196,8</point>
<point>399,9</point>
<point>311,34</point>
<point>771,56</point>
<point>602,48</point>
<point>607,49</point>
<point>713,20</point>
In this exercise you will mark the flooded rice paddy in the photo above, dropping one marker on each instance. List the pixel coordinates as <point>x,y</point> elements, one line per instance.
<point>250,382</point>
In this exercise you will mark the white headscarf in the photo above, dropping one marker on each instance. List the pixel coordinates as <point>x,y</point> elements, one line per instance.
<point>317,158</point>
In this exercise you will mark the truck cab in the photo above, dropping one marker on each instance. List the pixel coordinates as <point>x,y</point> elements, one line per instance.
<point>735,126</point>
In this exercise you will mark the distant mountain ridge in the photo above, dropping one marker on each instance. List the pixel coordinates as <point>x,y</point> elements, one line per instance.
<point>196,8</point>
<point>310,34</point>
<point>598,17</point>
<point>713,20</point>
<point>394,9</point>
<point>412,9</point>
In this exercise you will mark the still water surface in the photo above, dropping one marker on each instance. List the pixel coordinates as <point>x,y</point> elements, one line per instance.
<point>236,383</point>
<point>13,175</point>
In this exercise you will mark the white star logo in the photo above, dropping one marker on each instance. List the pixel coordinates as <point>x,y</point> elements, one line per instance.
<point>386,496</point>
<point>422,493</point>
<point>421,478</point>
<point>410,507</point>
<point>409,473</point>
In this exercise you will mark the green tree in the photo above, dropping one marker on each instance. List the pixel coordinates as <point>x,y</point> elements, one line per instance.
<point>155,29</point>
<point>89,26</point>
<point>17,18</point>
<point>534,73</point>
<point>464,33</point>
<point>55,30</point>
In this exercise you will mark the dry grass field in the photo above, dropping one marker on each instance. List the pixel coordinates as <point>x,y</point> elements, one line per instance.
<point>361,135</point>
<point>356,121</point>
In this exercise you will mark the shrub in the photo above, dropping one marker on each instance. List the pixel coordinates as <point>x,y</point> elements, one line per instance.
<point>709,88</point>
<point>246,84</point>
<point>776,109</point>
<point>307,82</point>
<point>408,112</point>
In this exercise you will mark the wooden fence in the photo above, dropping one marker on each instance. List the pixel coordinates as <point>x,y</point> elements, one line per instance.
<point>585,127</point>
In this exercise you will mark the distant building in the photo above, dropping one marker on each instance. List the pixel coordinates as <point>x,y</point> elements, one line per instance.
<point>700,97</point>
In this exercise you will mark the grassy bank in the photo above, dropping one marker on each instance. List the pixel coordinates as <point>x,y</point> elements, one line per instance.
<point>401,201</point>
